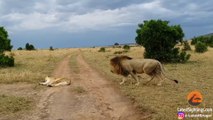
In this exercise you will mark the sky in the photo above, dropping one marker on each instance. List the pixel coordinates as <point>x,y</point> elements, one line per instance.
<point>88,23</point>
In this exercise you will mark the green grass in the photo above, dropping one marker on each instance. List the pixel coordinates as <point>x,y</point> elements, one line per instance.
<point>162,101</point>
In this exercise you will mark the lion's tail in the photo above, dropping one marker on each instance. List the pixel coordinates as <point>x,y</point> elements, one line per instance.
<point>163,72</point>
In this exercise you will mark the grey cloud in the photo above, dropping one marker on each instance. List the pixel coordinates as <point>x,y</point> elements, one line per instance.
<point>23,6</point>
<point>94,14</point>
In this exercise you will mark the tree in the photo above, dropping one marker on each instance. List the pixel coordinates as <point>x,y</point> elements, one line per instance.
<point>4,41</point>
<point>159,39</point>
<point>29,47</point>
<point>5,46</point>
<point>20,48</point>
<point>116,44</point>
<point>51,48</point>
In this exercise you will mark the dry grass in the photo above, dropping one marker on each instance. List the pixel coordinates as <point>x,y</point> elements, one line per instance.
<point>13,104</point>
<point>31,66</point>
<point>163,101</point>
<point>79,89</point>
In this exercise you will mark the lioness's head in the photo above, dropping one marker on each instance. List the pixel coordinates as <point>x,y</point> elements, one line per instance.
<point>116,66</point>
<point>47,78</point>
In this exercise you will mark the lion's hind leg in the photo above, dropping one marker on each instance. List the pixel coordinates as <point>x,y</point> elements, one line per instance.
<point>63,83</point>
<point>159,76</point>
<point>152,77</point>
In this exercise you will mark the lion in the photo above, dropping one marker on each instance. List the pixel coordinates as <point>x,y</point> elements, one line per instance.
<point>125,66</point>
<point>52,82</point>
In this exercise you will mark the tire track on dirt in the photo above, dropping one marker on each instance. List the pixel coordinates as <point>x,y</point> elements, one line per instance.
<point>54,99</point>
<point>100,101</point>
<point>109,103</point>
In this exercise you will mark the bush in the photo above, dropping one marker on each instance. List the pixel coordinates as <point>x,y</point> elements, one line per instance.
<point>159,40</point>
<point>200,47</point>
<point>186,46</point>
<point>126,47</point>
<point>184,57</point>
<point>116,44</point>
<point>6,61</point>
<point>5,42</point>
<point>29,47</point>
<point>51,48</point>
<point>102,49</point>
<point>204,39</point>
<point>5,46</point>
<point>121,52</point>
<point>118,52</point>
<point>20,48</point>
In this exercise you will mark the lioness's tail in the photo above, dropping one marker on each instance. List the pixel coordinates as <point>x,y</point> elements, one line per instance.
<point>163,72</point>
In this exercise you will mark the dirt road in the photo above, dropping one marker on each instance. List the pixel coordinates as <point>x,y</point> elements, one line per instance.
<point>89,97</point>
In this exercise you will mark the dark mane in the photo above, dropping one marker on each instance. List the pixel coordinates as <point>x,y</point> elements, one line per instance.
<point>116,62</point>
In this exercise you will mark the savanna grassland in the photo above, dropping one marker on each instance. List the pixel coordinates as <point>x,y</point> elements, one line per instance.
<point>20,90</point>
<point>19,85</point>
<point>161,101</point>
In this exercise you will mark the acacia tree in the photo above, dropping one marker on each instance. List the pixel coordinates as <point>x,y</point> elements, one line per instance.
<point>5,46</point>
<point>159,39</point>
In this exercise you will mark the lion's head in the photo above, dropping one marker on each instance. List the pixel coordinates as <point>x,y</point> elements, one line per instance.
<point>117,67</point>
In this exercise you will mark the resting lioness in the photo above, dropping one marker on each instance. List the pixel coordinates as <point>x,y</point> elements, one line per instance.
<point>51,81</point>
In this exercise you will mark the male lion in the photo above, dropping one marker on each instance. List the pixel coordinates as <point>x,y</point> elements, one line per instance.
<point>51,81</point>
<point>125,66</point>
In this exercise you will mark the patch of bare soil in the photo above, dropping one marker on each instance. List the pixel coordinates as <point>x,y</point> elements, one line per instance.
<point>89,97</point>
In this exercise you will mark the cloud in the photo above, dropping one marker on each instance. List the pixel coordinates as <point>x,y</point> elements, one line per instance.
<point>96,19</point>
<point>87,15</point>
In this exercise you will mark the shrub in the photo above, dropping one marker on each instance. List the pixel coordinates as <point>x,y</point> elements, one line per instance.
<point>6,61</point>
<point>126,47</point>
<point>186,46</point>
<point>20,48</point>
<point>159,40</point>
<point>5,46</point>
<point>200,47</point>
<point>102,49</point>
<point>29,47</point>
<point>184,57</point>
<point>51,48</point>
<point>118,52</point>
<point>116,44</point>
<point>204,39</point>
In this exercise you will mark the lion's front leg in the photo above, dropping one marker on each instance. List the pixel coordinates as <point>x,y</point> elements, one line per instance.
<point>136,78</point>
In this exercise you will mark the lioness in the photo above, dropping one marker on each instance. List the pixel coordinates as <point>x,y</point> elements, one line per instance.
<point>125,66</point>
<point>51,81</point>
